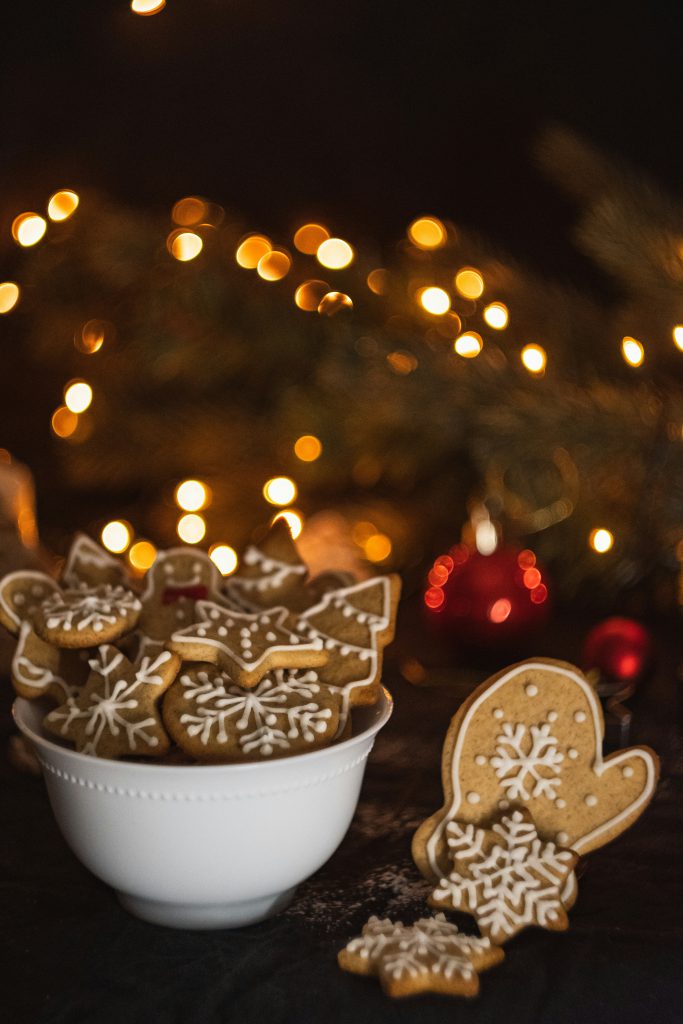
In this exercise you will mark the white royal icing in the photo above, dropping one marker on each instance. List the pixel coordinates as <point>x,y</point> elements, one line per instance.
<point>87,552</point>
<point>27,673</point>
<point>35,588</point>
<point>273,573</point>
<point>93,608</point>
<point>527,761</point>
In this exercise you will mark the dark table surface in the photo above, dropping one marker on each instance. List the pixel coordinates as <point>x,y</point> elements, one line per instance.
<point>69,954</point>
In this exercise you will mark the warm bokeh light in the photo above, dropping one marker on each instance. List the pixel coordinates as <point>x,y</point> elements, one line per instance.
<point>402,362</point>
<point>468,344</point>
<point>77,396</point>
<point>279,490</point>
<point>251,249</point>
<point>601,540</point>
<point>496,315</point>
<point>142,555</point>
<point>677,334</point>
<point>308,448</point>
<point>293,519</point>
<point>434,300</point>
<point>191,528</point>
<point>361,531</point>
<point>378,281</point>
<point>309,295</point>
<point>64,422</point>
<point>224,558</point>
<point>335,253</point>
<point>184,245</point>
<point>632,351</point>
<point>434,598</point>
<point>116,536</point>
<point>189,211</point>
<point>274,265</point>
<point>427,233</point>
<point>62,204</point>
<point>499,610</point>
<point>92,336</point>
<point>469,283</point>
<point>28,228</point>
<point>9,296</point>
<point>147,7</point>
<point>191,495</point>
<point>335,302</point>
<point>377,547</point>
<point>534,358</point>
<point>310,237</point>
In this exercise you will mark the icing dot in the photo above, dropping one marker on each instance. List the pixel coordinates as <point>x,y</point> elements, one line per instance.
<point>201,631</point>
<point>552,716</point>
<point>531,690</point>
<point>579,716</point>
<point>552,915</point>
<point>19,599</point>
<point>560,803</point>
<point>271,637</point>
<point>473,798</point>
<point>573,753</point>
<point>214,613</point>
<point>627,772</point>
<point>503,804</point>
<point>480,759</point>
<point>562,837</point>
<point>168,569</point>
<point>498,712</point>
<point>222,631</point>
<point>37,590</point>
<point>244,632</point>
<point>590,800</point>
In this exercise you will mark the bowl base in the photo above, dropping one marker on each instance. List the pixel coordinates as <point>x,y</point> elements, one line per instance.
<point>206,916</point>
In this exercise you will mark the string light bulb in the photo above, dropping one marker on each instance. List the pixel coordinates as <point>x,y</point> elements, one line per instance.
<point>308,448</point>
<point>434,300</point>
<point>63,422</point>
<point>601,540</point>
<point>310,294</point>
<point>335,302</point>
<point>377,547</point>
<point>191,528</point>
<point>251,250</point>
<point>632,351</point>
<point>9,296</point>
<point>62,204</point>
<point>279,490</point>
<point>496,315</point>
<point>192,495</point>
<point>335,254</point>
<point>78,396</point>
<point>273,265</point>
<point>469,283</point>
<point>224,558</point>
<point>427,233</point>
<point>468,345</point>
<point>28,229</point>
<point>116,536</point>
<point>142,555</point>
<point>184,245</point>
<point>534,359</point>
<point>293,519</point>
<point>147,7</point>
<point>309,237</point>
<point>677,334</point>
<point>189,211</point>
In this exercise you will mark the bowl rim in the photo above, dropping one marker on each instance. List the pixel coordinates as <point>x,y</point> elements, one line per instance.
<point>309,756</point>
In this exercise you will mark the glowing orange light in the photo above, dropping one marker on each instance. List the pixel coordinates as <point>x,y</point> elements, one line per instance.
<point>434,598</point>
<point>224,558</point>
<point>28,228</point>
<point>147,7</point>
<point>273,265</point>
<point>531,578</point>
<point>64,422</point>
<point>184,245</point>
<point>116,536</point>
<point>192,495</point>
<point>309,295</point>
<point>469,283</point>
<point>468,345</point>
<point>496,315</point>
<point>534,358</point>
<point>335,302</point>
<point>377,548</point>
<point>446,562</point>
<point>293,519</point>
<point>427,233</point>
<point>191,528</point>
<point>189,211</point>
<point>601,540</point>
<point>335,254</point>
<point>9,296</point>
<point>378,281</point>
<point>251,249</point>
<point>62,204</point>
<point>434,300</point>
<point>279,490</point>
<point>632,351</point>
<point>92,335</point>
<point>308,448</point>
<point>539,594</point>
<point>142,555</point>
<point>499,610</point>
<point>438,575</point>
<point>526,559</point>
<point>77,396</point>
<point>361,531</point>
<point>310,237</point>
<point>678,336</point>
<point>402,362</point>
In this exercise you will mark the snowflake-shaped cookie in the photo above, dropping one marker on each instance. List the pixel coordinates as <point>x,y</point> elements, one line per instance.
<point>287,712</point>
<point>506,877</point>
<point>527,761</point>
<point>116,712</point>
<point>87,616</point>
<point>428,956</point>
<point>245,646</point>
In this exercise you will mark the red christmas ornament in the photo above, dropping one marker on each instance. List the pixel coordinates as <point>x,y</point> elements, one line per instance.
<point>619,649</point>
<point>487,599</point>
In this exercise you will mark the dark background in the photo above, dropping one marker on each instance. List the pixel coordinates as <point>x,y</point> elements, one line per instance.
<point>363,113</point>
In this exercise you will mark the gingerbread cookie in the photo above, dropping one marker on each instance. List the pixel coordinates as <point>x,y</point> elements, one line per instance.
<point>506,877</point>
<point>88,564</point>
<point>87,616</point>
<point>287,712</point>
<point>178,579</point>
<point>532,737</point>
<point>245,646</point>
<point>21,596</point>
<point>428,956</point>
<point>40,669</point>
<point>269,572</point>
<point>116,712</point>
<point>354,625</point>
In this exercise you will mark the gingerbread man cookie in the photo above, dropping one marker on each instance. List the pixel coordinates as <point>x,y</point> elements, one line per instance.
<point>116,712</point>
<point>87,616</point>
<point>287,712</point>
<point>506,877</point>
<point>21,596</point>
<point>428,956</point>
<point>179,578</point>
<point>40,669</point>
<point>531,737</point>
<point>88,564</point>
<point>245,646</point>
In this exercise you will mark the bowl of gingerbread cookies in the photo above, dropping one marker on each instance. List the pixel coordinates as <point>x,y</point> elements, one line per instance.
<point>203,740</point>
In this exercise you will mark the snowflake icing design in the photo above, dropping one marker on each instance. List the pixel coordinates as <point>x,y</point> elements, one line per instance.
<point>278,710</point>
<point>89,609</point>
<point>527,761</point>
<point>506,877</point>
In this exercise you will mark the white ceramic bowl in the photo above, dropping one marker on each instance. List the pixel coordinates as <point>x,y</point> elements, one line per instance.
<point>205,846</point>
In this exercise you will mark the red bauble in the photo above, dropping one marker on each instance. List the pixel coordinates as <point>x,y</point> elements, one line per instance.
<point>619,648</point>
<point>487,599</point>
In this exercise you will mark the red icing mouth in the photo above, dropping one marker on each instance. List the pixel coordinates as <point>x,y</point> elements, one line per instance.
<point>196,592</point>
